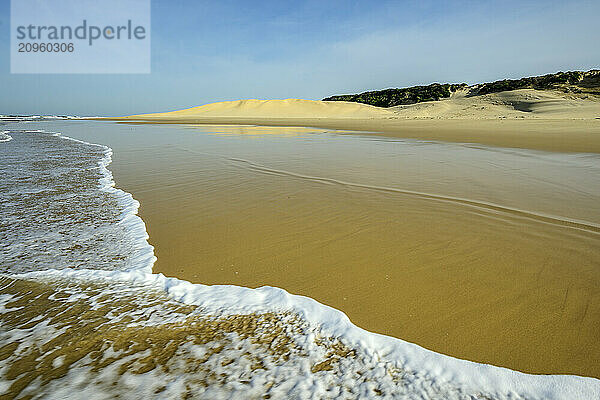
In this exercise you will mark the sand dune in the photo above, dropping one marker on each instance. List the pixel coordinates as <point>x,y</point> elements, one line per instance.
<point>288,108</point>
<point>526,118</point>
<point>524,103</point>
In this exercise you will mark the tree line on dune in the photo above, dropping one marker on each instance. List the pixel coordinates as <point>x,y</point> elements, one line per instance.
<point>571,81</point>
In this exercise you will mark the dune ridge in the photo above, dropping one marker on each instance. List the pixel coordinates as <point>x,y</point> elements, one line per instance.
<point>288,108</point>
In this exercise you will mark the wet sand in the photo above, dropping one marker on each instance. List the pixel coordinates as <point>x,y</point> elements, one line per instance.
<point>509,277</point>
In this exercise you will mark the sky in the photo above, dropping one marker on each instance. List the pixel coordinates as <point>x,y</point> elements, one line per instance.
<point>209,51</point>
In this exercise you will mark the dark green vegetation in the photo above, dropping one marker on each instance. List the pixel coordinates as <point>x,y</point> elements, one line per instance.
<point>395,97</point>
<point>570,82</point>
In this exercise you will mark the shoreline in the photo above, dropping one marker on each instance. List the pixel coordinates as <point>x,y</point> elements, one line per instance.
<point>401,358</point>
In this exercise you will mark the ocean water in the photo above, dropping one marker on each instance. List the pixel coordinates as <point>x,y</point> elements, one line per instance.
<point>83,315</point>
<point>60,208</point>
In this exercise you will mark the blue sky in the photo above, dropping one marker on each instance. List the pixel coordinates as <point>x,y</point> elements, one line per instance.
<point>207,51</point>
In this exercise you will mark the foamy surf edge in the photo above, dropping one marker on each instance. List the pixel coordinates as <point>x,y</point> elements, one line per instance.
<point>5,137</point>
<point>144,257</point>
<point>228,299</point>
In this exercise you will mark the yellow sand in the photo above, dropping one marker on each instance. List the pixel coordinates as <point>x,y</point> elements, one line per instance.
<point>289,108</point>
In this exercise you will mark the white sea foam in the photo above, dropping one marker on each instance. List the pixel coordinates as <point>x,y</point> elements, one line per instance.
<point>27,118</point>
<point>444,370</point>
<point>144,253</point>
<point>450,377</point>
<point>5,137</point>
